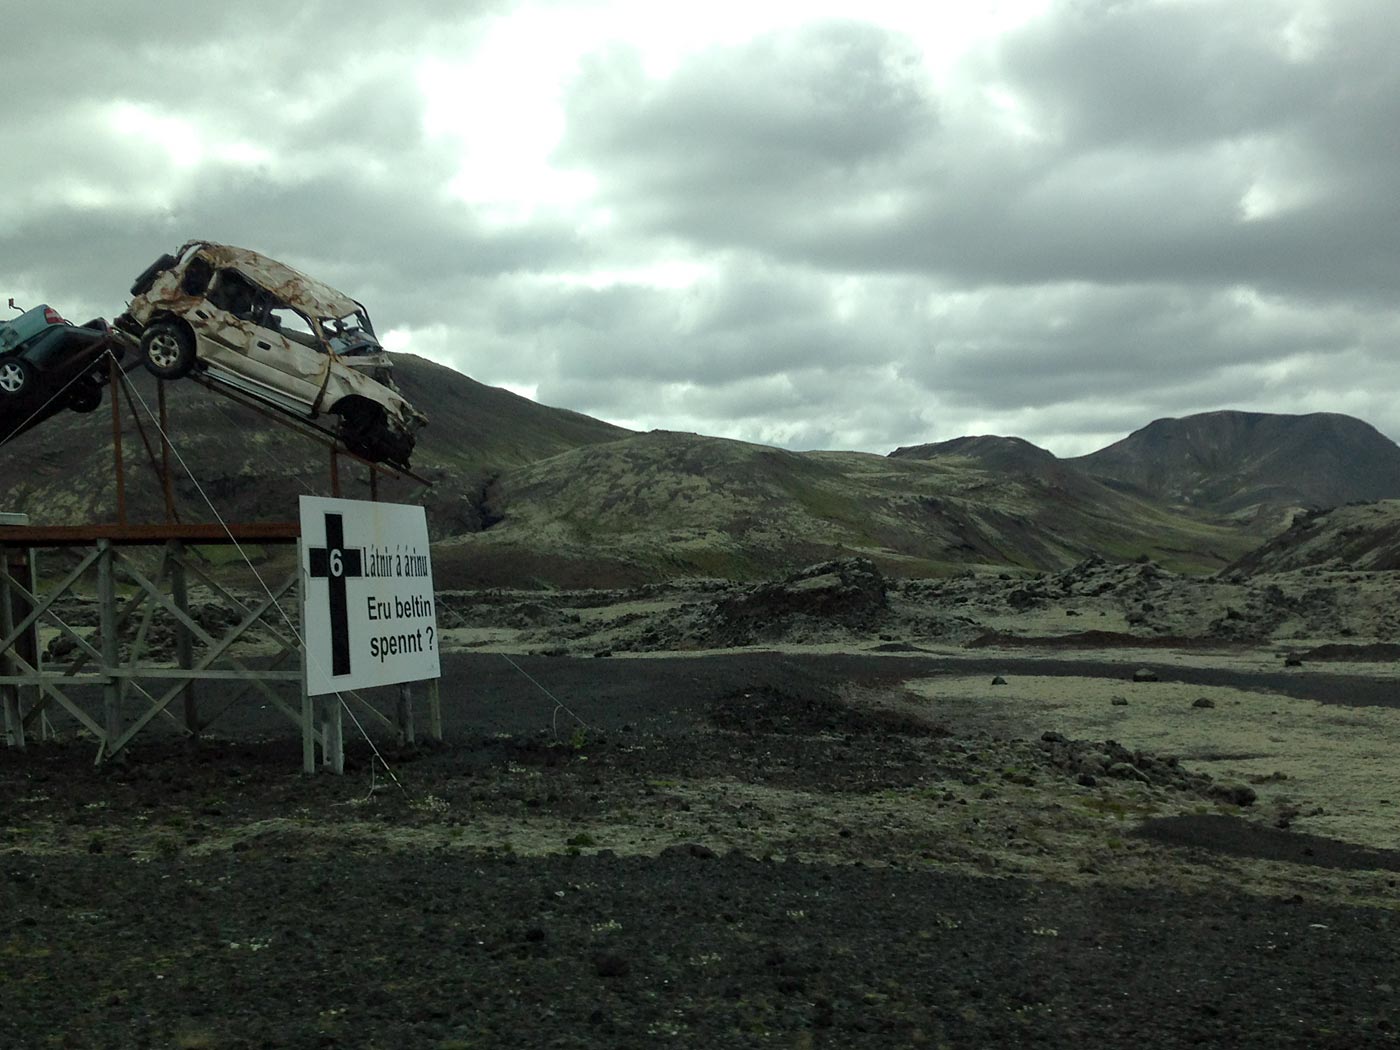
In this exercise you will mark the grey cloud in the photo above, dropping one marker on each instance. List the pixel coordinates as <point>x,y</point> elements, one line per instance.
<point>1066,364</point>
<point>1159,75</point>
<point>744,136</point>
<point>1117,183</point>
<point>822,414</point>
<point>888,265</point>
<point>399,240</point>
<point>351,191</point>
<point>1012,347</point>
<point>743,324</point>
<point>837,94</point>
<point>1215,88</point>
<point>146,44</point>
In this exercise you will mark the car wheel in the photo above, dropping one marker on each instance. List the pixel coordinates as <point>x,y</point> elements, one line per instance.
<point>168,351</point>
<point>15,376</point>
<point>365,431</point>
<point>360,427</point>
<point>86,396</point>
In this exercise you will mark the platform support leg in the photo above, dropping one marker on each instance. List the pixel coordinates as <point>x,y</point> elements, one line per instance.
<point>333,732</point>
<point>14,722</point>
<point>9,694</point>
<point>167,480</point>
<point>114,378</point>
<point>308,730</point>
<point>435,710</point>
<point>407,733</point>
<point>107,620</point>
<point>184,644</point>
<point>308,705</point>
<point>29,645</point>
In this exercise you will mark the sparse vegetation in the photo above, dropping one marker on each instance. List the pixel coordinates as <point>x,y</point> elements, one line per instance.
<point>776,843</point>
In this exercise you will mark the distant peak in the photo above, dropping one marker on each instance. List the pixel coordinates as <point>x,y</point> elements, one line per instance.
<point>1235,462</point>
<point>980,446</point>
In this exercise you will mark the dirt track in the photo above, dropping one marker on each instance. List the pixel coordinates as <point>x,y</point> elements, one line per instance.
<point>490,692</point>
<point>741,850</point>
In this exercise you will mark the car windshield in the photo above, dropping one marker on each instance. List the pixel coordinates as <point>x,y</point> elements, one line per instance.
<point>351,333</point>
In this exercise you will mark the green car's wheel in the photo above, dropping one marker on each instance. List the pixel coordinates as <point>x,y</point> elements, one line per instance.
<point>15,376</point>
<point>167,350</point>
<point>85,396</point>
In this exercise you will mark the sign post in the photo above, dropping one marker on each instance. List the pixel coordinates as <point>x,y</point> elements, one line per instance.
<point>368,614</point>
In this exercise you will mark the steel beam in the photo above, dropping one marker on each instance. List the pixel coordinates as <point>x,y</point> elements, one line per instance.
<point>9,693</point>
<point>407,734</point>
<point>107,620</point>
<point>184,649</point>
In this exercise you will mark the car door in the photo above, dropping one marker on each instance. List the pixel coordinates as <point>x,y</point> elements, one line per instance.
<point>242,334</point>
<point>291,344</point>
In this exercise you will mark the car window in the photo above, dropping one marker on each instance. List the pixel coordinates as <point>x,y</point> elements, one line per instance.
<point>282,318</point>
<point>238,295</point>
<point>197,275</point>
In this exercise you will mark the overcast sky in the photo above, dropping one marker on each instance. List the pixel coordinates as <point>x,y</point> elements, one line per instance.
<point>815,224</point>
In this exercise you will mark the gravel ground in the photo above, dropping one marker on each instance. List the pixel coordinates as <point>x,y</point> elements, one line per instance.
<point>280,947</point>
<point>740,851</point>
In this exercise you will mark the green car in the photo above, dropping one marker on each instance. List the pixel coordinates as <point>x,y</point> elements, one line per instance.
<point>48,364</point>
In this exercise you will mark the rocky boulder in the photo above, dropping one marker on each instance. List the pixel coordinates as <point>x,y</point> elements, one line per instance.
<point>850,593</point>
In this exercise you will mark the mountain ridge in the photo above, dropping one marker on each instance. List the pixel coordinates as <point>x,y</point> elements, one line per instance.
<point>522,491</point>
<point>1244,463</point>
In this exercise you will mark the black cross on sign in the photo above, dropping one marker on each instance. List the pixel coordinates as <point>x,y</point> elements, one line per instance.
<point>335,563</point>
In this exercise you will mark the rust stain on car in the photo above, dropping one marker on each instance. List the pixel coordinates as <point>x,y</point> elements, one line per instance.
<point>268,330</point>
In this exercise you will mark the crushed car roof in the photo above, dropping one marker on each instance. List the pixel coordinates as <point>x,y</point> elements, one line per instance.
<point>291,286</point>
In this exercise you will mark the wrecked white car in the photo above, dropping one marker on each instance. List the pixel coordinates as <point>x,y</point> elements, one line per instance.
<point>260,327</point>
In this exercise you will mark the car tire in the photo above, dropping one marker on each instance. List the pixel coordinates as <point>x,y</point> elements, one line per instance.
<point>364,429</point>
<point>15,376</point>
<point>167,350</point>
<point>360,427</point>
<point>85,396</point>
<point>148,275</point>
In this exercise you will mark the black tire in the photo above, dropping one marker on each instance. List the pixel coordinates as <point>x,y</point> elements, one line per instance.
<point>148,275</point>
<point>15,376</point>
<point>167,351</point>
<point>85,396</point>
<point>365,430</point>
<point>361,423</point>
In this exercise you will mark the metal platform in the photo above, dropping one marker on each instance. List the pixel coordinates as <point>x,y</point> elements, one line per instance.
<point>116,677</point>
<point>120,660</point>
<point>130,599</point>
<point>204,534</point>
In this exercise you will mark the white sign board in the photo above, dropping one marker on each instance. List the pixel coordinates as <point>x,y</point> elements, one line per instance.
<point>367,595</point>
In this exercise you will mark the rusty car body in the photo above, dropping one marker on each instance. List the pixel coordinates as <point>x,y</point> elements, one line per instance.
<point>255,325</point>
